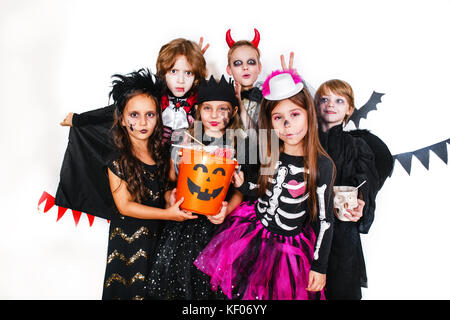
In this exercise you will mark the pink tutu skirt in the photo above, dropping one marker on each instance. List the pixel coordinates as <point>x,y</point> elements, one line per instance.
<point>249,262</point>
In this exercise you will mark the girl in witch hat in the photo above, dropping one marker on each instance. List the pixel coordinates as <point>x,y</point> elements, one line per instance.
<point>173,275</point>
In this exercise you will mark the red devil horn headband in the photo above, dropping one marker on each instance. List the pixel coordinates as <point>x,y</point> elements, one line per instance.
<point>231,42</point>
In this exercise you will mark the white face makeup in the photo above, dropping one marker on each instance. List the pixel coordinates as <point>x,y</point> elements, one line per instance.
<point>216,115</point>
<point>139,117</point>
<point>244,66</point>
<point>332,109</point>
<point>290,123</point>
<point>180,78</point>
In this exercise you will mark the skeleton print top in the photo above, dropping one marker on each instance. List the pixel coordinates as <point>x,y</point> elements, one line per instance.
<point>283,209</point>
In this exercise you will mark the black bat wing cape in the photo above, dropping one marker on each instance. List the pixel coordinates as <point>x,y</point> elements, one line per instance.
<point>84,184</point>
<point>370,105</point>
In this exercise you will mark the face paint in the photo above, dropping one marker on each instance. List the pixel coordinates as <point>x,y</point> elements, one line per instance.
<point>226,118</point>
<point>286,123</point>
<point>131,124</point>
<point>215,116</point>
<point>244,66</point>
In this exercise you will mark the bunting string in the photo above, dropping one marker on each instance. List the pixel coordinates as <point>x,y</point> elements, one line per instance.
<point>423,155</point>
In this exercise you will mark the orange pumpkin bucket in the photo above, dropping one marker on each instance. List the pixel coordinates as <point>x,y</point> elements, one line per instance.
<point>203,180</point>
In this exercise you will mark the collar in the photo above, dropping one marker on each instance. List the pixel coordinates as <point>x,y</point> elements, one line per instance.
<point>188,101</point>
<point>253,94</point>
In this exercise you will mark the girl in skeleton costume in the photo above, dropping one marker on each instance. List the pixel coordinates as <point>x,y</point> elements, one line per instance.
<point>244,66</point>
<point>181,65</point>
<point>139,173</point>
<point>173,275</point>
<point>359,156</point>
<point>278,246</point>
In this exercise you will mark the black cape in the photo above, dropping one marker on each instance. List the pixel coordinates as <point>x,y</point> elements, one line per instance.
<point>84,184</point>
<point>358,155</point>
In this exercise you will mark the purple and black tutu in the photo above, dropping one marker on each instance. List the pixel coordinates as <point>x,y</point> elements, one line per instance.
<point>246,261</point>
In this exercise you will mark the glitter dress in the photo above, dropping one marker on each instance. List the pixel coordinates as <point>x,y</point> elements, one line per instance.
<point>131,244</point>
<point>173,275</point>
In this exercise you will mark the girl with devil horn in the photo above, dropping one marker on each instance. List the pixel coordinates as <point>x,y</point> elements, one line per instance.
<point>278,246</point>
<point>173,274</point>
<point>244,65</point>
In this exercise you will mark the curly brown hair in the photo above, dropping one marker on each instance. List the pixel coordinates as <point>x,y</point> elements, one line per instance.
<point>169,53</point>
<point>125,88</point>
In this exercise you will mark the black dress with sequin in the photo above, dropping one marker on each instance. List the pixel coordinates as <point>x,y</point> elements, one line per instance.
<point>132,243</point>
<point>173,275</point>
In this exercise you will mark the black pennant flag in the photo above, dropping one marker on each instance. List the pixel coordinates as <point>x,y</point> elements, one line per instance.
<point>423,155</point>
<point>440,149</point>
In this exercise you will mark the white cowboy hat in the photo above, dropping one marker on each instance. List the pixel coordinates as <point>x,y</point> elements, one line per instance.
<point>282,86</point>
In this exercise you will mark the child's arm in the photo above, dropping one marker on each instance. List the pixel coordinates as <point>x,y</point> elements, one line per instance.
<point>128,207</point>
<point>236,199</point>
<point>325,219</point>
<point>101,115</point>
<point>242,184</point>
<point>227,208</point>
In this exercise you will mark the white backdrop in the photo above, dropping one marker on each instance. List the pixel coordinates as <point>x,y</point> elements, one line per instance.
<point>58,56</point>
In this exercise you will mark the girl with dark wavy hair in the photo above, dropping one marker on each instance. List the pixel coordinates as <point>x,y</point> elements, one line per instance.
<point>139,174</point>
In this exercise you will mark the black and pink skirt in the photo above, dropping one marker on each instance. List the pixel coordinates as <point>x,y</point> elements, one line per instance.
<point>246,261</point>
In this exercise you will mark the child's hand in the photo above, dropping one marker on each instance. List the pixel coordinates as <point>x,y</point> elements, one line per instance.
<point>172,197</point>
<point>238,179</point>
<point>316,281</point>
<point>355,214</point>
<point>237,91</point>
<point>291,62</point>
<point>218,218</point>
<point>67,122</point>
<point>200,44</point>
<point>176,214</point>
<point>167,134</point>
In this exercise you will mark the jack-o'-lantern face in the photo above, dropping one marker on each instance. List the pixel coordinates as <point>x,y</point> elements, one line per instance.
<point>203,181</point>
<point>206,180</point>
